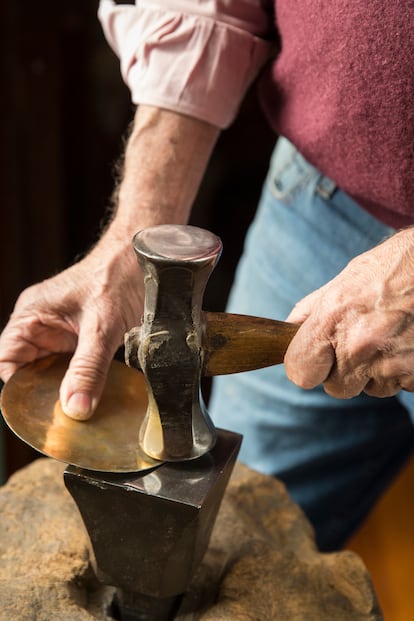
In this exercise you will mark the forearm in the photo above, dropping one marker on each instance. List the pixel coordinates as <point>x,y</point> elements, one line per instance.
<point>165,159</point>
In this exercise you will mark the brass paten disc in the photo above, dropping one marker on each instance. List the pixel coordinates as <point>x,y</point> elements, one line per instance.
<point>107,442</point>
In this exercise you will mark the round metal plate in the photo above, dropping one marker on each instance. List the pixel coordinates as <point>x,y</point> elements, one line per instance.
<point>107,442</point>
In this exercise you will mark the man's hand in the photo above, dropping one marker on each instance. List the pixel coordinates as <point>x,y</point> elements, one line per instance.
<point>88,308</point>
<point>357,331</point>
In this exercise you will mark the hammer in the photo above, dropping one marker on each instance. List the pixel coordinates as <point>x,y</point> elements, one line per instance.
<point>178,343</point>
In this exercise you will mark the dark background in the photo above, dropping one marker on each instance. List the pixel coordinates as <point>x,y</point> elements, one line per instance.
<point>64,112</point>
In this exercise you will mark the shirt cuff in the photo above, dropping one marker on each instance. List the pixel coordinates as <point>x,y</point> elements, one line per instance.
<point>195,64</point>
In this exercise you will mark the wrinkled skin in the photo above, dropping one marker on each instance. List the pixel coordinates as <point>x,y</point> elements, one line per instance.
<point>357,331</point>
<point>85,309</point>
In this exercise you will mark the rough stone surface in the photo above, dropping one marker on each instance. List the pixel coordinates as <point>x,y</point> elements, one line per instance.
<point>261,565</point>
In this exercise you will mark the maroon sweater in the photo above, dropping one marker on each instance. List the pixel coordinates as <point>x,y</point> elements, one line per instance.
<point>342,90</point>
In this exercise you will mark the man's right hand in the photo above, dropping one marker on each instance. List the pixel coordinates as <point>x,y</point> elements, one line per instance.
<point>85,310</point>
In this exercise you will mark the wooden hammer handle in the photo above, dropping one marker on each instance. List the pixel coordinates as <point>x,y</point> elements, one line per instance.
<point>235,343</point>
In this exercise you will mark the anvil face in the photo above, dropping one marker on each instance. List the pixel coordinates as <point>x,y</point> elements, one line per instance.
<point>149,531</point>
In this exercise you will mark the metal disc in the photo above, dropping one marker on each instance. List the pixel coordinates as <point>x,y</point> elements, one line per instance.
<point>107,442</point>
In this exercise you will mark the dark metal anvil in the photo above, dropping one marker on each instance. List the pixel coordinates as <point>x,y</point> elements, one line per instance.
<point>149,532</point>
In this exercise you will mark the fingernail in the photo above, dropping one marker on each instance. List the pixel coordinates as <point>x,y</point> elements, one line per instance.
<point>80,406</point>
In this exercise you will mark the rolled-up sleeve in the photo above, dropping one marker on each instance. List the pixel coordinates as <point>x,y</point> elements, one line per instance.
<point>197,57</point>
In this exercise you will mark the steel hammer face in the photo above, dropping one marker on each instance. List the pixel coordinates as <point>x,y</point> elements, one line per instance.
<point>176,262</point>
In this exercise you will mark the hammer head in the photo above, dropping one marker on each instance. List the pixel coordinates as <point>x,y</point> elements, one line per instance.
<point>176,261</point>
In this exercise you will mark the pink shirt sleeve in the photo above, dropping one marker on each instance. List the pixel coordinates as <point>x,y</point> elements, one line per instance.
<point>197,57</point>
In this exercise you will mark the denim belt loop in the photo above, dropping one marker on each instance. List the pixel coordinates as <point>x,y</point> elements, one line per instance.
<point>325,187</point>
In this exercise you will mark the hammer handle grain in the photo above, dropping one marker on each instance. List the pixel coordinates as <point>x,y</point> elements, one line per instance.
<point>236,343</point>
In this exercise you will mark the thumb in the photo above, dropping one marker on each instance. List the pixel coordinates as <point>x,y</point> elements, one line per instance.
<point>84,380</point>
<point>304,307</point>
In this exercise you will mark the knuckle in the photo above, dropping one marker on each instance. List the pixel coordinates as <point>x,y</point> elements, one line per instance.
<point>6,371</point>
<point>340,390</point>
<point>300,378</point>
<point>86,371</point>
<point>382,389</point>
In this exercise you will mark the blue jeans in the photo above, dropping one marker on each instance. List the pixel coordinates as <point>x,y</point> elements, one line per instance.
<point>335,456</point>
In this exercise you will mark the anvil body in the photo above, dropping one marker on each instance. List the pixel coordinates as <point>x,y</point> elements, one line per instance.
<point>149,531</point>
